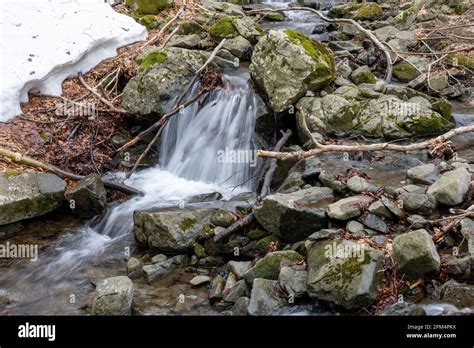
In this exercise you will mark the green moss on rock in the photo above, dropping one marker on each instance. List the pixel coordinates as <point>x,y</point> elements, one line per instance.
<point>369,12</point>
<point>404,71</point>
<point>151,59</point>
<point>187,223</point>
<point>224,28</point>
<point>149,21</point>
<point>149,6</point>
<point>461,59</point>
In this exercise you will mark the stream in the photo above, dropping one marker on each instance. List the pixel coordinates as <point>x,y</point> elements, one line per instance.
<point>74,255</point>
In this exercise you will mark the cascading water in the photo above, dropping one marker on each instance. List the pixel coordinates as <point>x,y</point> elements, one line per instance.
<point>189,165</point>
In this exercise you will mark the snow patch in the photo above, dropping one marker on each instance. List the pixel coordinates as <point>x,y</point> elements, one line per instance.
<point>44,42</point>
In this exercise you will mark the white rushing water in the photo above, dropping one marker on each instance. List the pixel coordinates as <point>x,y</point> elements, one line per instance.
<point>189,166</point>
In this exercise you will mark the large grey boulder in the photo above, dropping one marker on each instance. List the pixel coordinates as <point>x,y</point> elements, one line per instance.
<point>170,229</point>
<point>269,266</point>
<point>423,174</point>
<point>27,195</point>
<point>293,279</point>
<point>113,296</point>
<point>286,64</point>
<point>88,198</point>
<point>239,47</point>
<point>451,188</point>
<point>294,216</point>
<point>163,74</point>
<point>266,298</point>
<point>415,254</point>
<point>344,272</point>
<point>418,202</point>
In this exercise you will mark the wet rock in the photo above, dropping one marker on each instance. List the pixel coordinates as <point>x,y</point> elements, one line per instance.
<point>347,208</point>
<point>373,222</point>
<point>159,258</point>
<point>134,268</point>
<point>293,279</point>
<point>113,296</point>
<point>268,267</point>
<point>239,267</point>
<point>200,280</point>
<point>418,202</point>
<point>402,309</point>
<point>235,292</point>
<point>170,229</point>
<point>457,267</point>
<point>10,229</point>
<point>415,254</point>
<point>27,195</point>
<point>266,298</point>
<point>458,294</point>
<point>393,207</point>
<point>344,272</point>
<point>239,47</point>
<point>217,288</point>
<point>451,188</point>
<point>424,174</point>
<point>211,261</point>
<point>241,306</point>
<point>363,74</point>
<point>88,198</point>
<point>174,67</point>
<point>159,269</point>
<point>293,216</point>
<point>303,65</point>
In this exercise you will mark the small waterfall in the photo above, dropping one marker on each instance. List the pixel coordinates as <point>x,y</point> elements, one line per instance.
<point>189,165</point>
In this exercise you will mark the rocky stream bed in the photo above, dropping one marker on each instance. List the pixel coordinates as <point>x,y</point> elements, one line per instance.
<point>381,232</point>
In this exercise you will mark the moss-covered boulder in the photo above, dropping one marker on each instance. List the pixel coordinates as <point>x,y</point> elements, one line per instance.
<point>148,7</point>
<point>363,74</point>
<point>405,71</point>
<point>171,229</point>
<point>415,254</point>
<point>27,195</point>
<point>367,11</point>
<point>269,266</point>
<point>223,28</point>
<point>294,216</point>
<point>303,65</point>
<point>353,110</point>
<point>163,74</point>
<point>344,272</point>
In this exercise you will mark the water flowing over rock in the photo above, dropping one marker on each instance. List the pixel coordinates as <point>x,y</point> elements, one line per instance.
<point>415,254</point>
<point>28,195</point>
<point>303,65</point>
<point>344,272</point>
<point>113,296</point>
<point>294,216</point>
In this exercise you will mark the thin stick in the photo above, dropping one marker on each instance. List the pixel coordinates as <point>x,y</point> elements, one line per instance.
<point>102,99</point>
<point>155,38</point>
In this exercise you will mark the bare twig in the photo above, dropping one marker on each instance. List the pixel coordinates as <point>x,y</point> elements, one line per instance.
<point>102,99</point>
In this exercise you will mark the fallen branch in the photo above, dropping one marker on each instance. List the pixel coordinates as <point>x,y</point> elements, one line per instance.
<point>102,99</point>
<point>320,148</point>
<point>249,218</point>
<point>25,160</point>
<point>155,38</point>
<point>367,32</point>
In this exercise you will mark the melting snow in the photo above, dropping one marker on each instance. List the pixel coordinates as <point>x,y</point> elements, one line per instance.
<point>43,42</point>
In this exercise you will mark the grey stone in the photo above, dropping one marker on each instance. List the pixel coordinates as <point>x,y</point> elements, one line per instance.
<point>424,174</point>
<point>266,298</point>
<point>200,280</point>
<point>415,254</point>
<point>239,267</point>
<point>347,208</point>
<point>293,280</point>
<point>113,296</point>
<point>241,306</point>
<point>451,188</point>
<point>418,202</point>
<point>235,292</point>
<point>217,288</point>
<point>373,222</point>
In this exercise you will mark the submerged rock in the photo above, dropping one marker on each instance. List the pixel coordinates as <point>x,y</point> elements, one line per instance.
<point>344,272</point>
<point>452,187</point>
<point>113,296</point>
<point>415,254</point>
<point>27,195</point>
<point>170,229</point>
<point>294,216</point>
<point>303,65</point>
